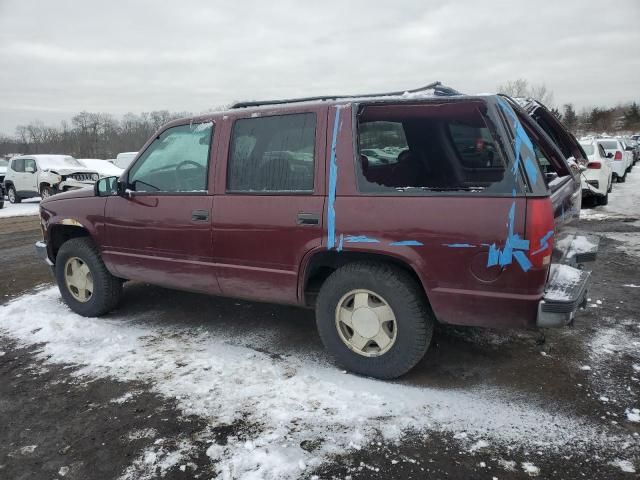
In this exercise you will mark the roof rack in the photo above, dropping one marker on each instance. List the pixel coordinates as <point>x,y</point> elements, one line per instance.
<point>437,87</point>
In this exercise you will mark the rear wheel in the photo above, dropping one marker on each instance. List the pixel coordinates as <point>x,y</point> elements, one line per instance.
<point>622,179</point>
<point>374,319</point>
<point>85,284</point>
<point>13,195</point>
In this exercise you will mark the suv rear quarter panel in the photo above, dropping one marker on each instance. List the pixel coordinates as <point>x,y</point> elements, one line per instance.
<point>445,239</point>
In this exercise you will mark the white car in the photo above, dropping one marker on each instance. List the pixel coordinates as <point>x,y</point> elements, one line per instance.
<point>103,167</point>
<point>45,175</point>
<point>622,160</point>
<point>3,171</point>
<point>124,159</point>
<point>597,179</point>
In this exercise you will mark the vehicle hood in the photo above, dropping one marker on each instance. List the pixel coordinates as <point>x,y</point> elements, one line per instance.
<point>78,193</point>
<point>68,171</point>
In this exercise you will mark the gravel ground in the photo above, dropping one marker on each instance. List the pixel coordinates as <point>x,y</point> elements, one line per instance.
<point>179,385</point>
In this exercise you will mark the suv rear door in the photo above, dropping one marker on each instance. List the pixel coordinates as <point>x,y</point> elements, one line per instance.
<point>269,200</point>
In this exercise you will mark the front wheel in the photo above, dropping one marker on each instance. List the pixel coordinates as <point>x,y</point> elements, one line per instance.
<point>603,200</point>
<point>85,284</point>
<point>46,191</point>
<point>374,319</point>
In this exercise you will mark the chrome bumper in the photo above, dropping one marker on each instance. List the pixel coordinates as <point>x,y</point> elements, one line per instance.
<point>566,292</point>
<point>43,253</point>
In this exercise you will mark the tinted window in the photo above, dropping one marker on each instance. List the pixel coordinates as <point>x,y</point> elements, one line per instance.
<point>18,165</point>
<point>177,161</point>
<point>425,148</point>
<point>272,154</point>
<point>609,144</point>
<point>588,148</point>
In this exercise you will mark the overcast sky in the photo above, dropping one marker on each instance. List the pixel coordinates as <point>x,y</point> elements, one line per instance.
<point>58,57</point>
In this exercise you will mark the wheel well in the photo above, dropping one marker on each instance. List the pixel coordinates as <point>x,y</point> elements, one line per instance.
<point>43,184</point>
<point>323,264</point>
<point>58,234</point>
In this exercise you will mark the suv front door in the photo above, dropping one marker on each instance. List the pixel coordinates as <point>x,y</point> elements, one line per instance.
<point>159,229</point>
<point>30,177</point>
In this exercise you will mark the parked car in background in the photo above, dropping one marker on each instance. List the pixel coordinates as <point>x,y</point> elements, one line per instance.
<point>3,171</point>
<point>634,146</point>
<point>124,159</point>
<point>622,159</point>
<point>103,167</point>
<point>275,201</point>
<point>45,175</point>
<point>597,179</point>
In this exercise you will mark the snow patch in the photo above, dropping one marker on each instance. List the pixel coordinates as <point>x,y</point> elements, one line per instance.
<point>624,465</point>
<point>530,469</point>
<point>633,414</point>
<point>290,398</point>
<point>26,208</point>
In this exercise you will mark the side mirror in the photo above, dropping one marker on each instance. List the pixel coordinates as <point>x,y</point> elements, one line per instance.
<point>609,155</point>
<point>30,170</point>
<point>106,187</point>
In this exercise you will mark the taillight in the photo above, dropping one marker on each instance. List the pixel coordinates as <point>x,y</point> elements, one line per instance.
<point>594,165</point>
<point>618,155</point>
<point>540,231</point>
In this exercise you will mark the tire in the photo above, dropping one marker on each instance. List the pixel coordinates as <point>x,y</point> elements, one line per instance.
<point>46,191</point>
<point>610,185</point>
<point>623,178</point>
<point>1,204</point>
<point>603,200</point>
<point>13,195</point>
<point>414,320</point>
<point>107,289</point>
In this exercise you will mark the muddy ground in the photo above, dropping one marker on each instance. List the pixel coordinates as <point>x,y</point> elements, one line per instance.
<point>82,428</point>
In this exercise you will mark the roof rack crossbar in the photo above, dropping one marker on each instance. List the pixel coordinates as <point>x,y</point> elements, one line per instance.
<point>437,86</point>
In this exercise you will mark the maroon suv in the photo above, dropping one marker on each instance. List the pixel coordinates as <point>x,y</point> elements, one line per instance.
<point>385,213</point>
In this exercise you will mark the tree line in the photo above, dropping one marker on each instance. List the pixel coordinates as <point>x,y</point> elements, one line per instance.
<point>101,135</point>
<point>88,135</point>
<point>618,119</point>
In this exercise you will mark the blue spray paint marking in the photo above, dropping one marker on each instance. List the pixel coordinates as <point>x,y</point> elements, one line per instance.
<point>513,247</point>
<point>340,243</point>
<point>458,245</point>
<point>360,239</point>
<point>407,243</point>
<point>522,139</point>
<point>333,179</point>
<point>543,242</point>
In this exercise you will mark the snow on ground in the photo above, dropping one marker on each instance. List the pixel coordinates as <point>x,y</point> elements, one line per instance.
<point>623,200</point>
<point>292,399</point>
<point>630,242</point>
<point>27,207</point>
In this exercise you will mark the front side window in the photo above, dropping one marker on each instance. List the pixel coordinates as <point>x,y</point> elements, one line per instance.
<point>177,161</point>
<point>272,154</point>
<point>18,165</point>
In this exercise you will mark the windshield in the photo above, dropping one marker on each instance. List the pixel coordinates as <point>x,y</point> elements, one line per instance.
<point>588,148</point>
<point>4,163</point>
<point>58,162</point>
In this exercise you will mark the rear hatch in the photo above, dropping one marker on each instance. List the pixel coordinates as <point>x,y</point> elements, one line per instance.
<point>560,158</point>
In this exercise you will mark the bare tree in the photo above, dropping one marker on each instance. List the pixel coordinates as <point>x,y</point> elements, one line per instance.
<point>521,88</point>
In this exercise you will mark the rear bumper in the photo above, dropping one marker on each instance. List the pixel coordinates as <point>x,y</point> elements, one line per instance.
<point>43,252</point>
<point>566,292</point>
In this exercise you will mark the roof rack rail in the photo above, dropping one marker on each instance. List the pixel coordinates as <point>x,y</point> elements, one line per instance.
<point>437,87</point>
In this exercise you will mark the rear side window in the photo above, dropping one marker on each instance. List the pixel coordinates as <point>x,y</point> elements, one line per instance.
<point>609,144</point>
<point>423,148</point>
<point>272,154</point>
<point>18,165</point>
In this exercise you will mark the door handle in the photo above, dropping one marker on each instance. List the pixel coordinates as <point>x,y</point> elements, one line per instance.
<point>308,219</point>
<point>200,216</point>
